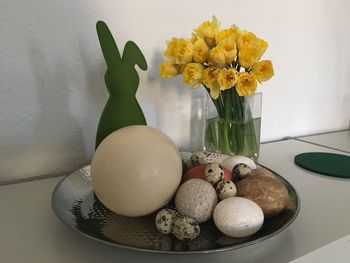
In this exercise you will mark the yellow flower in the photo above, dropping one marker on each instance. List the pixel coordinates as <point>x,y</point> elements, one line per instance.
<point>183,51</point>
<point>210,76</point>
<point>247,57</point>
<point>208,30</point>
<point>227,78</point>
<point>263,70</point>
<point>232,31</point>
<point>246,84</point>
<point>201,51</point>
<point>193,74</point>
<point>171,46</point>
<point>168,69</point>
<point>261,46</point>
<point>250,49</point>
<point>217,57</point>
<point>210,80</point>
<point>229,45</point>
<point>246,39</point>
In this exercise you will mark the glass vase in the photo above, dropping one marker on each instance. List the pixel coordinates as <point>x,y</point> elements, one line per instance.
<point>238,135</point>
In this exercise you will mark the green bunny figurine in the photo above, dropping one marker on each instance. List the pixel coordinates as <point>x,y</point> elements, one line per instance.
<point>122,80</point>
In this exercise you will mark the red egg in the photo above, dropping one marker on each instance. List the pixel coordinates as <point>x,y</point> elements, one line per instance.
<point>198,172</point>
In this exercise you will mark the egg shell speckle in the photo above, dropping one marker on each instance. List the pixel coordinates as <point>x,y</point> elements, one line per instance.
<point>226,189</point>
<point>165,219</point>
<point>198,172</point>
<point>238,217</point>
<point>241,171</point>
<point>196,198</point>
<point>215,157</point>
<point>213,173</point>
<point>230,162</point>
<point>186,228</point>
<point>200,157</point>
<point>197,158</point>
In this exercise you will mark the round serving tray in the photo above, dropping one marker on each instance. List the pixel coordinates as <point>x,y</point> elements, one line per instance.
<point>76,205</point>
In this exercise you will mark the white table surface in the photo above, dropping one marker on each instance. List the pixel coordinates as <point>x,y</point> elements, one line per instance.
<point>335,140</point>
<point>337,251</point>
<point>30,232</point>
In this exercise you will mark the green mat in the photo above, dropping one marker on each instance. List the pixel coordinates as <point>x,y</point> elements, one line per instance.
<point>331,164</point>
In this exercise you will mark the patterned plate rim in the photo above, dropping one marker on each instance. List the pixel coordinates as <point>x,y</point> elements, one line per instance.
<point>206,251</point>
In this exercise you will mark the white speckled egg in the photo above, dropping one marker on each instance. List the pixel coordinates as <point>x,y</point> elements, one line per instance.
<point>238,217</point>
<point>196,198</point>
<point>186,228</point>
<point>226,189</point>
<point>165,219</point>
<point>230,162</point>
<point>213,173</point>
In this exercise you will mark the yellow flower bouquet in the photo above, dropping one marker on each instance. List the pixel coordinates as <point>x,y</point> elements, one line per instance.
<point>227,63</point>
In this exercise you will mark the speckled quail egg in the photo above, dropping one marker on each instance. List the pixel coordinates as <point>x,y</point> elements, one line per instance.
<point>241,171</point>
<point>200,157</point>
<point>198,172</point>
<point>165,219</point>
<point>215,157</point>
<point>226,189</point>
<point>186,228</point>
<point>197,158</point>
<point>213,173</point>
<point>196,198</point>
<point>230,162</point>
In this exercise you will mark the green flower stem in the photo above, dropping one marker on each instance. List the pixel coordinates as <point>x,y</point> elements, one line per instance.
<point>246,136</point>
<point>222,104</point>
<point>227,122</point>
<point>252,144</point>
<point>239,128</point>
<point>216,102</point>
<point>228,106</point>
<point>233,132</point>
<point>218,106</point>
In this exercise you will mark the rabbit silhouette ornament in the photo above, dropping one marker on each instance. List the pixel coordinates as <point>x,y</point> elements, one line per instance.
<point>122,80</point>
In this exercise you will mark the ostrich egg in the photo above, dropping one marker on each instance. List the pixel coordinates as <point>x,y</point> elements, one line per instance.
<point>136,170</point>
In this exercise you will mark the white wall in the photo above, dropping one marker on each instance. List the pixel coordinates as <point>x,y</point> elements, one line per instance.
<point>51,72</point>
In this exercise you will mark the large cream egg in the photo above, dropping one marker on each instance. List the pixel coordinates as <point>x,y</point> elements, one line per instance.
<point>238,217</point>
<point>136,170</point>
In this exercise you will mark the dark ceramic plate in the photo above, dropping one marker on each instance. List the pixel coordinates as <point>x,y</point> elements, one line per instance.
<point>74,202</point>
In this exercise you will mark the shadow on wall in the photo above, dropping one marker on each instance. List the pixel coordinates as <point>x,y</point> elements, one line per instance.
<point>177,108</point>
<point>95,95</point>
<point>346,105</point>
<point>57,138</point>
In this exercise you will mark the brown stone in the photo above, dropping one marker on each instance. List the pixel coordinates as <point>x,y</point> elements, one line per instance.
<point>270,194</point>
<point>263,172</point>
